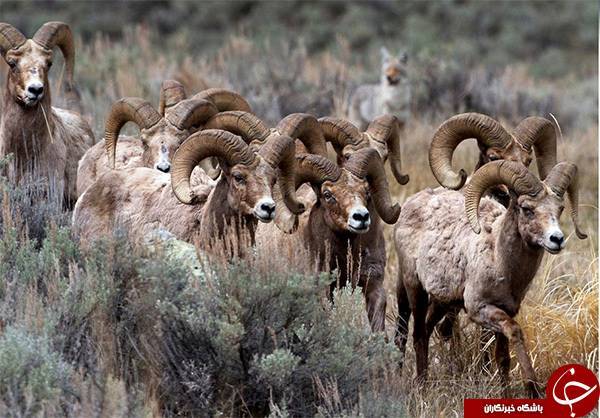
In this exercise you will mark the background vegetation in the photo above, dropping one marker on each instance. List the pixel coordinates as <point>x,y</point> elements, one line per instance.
<point>124,331</point>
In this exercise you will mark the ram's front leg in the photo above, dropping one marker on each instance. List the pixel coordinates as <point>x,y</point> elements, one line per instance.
<point>497,320</point>
<point>376,304</point>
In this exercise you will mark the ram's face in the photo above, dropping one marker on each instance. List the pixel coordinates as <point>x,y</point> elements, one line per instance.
<point>160,143</point>
<point>514,152</point>
<point>251,189</point>
<point>538,220</point>
<point>345,203</point>
<point>28,73</point>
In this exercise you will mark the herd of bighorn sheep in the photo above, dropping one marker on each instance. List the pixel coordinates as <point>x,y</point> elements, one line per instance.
<point>207,169</point>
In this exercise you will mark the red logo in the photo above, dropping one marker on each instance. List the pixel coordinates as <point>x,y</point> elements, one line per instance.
<point>572,390</point>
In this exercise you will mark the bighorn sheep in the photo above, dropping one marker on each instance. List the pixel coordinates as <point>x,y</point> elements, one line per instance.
<point>343,230</point>
<point>391,96</point>
<point>142,199</point>
<point>382,135</point>
<point>495,143</point>
<point>484,261</point>
<point>161,131</point>
<point>44,140</point>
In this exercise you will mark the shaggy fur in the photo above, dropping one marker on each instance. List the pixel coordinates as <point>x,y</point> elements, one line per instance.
<point>443,264</point>
<point>44,140</point>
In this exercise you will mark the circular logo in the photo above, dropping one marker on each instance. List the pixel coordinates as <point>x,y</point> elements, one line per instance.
<point>573,390</point>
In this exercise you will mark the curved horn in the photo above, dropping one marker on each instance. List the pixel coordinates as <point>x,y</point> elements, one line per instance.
<point>563,178</point>
<point>451,133</point>
<point>127,109</point>
<point>10,38</point>
<point>305,128</point>
<point>538,133</point>
<point>512,174</point>
<point>344,136</point>
<point>201,145</point>
<point>385,132</point>
<point>244,124</point>
<point>279,152</point>
<point>224,99</point>
<point>315,169</point>
<point>366,163</point>
<point>171,93</point>
<point>191,112</point>
<point>58,34</point>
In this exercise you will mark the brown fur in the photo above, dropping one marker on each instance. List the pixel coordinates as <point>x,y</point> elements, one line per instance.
<point>141,200</point>
<point>444,264</point>
<point>49,148</point>
<point>131,152</point>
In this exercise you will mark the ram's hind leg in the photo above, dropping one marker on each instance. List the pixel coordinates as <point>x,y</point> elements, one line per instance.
<point>402,320</point>
<point>418,303</point>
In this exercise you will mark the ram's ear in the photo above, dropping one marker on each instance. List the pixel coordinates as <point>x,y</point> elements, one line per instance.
<point>404,57</point>
<point>385,54</point>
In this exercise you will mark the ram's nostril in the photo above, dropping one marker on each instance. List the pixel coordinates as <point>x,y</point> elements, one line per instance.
<point>36,90</point>
<point>267,207</point>
<point>557,238</point>
<point>357,216</point>
<point>164,169</point>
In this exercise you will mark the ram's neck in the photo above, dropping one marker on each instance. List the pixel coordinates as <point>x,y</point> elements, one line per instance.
<point>331,249</point>
<point>516,260</point>
<point>223,224</point>
<point>25,131</point>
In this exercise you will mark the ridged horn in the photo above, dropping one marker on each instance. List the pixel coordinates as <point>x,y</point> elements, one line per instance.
<point>385,131</point>
<point>224,99</point>
<point>451,133</point>
<point>10,37</point>
<point>305,128</point>
<point>315,169</point>
<point>201,145</point>
<point>279,152</point>
<point>367,164</point>
<point>563,179</point>
<point>59,34</point>
<point>538,133</point>
<point>245,124</point>
<point>127,109</point>
<point>191,112</point>
<point>512,174</point>
<point>171,93</point>
<point>344,136</point>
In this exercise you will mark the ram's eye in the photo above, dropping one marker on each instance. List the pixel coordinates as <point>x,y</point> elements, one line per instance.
<point>494,157</point>
<point>328,196</point>
<point>527,211</point>
<point>49,64</point>
<point>239,178</point>
<point>12,63</point>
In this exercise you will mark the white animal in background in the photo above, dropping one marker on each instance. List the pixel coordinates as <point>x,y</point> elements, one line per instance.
<point>391,96</point>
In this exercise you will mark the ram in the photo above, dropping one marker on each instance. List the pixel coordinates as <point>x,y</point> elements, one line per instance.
<point>344,229</point>
<point>458,249</point>
<point>45,141</point>
<point>162,132</point>
<point>142,199</point>
<point>382,135</point>
<point>533,134</point>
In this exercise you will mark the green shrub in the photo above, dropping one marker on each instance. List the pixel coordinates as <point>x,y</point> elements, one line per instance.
<point>32,375</point>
